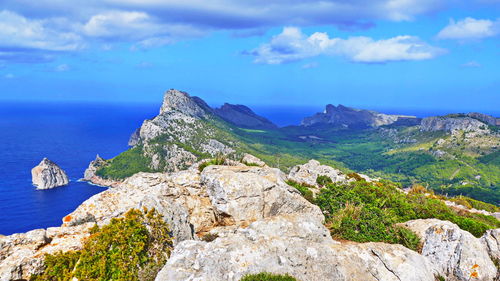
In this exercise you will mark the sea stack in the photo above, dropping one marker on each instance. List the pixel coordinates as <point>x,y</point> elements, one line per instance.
<point>48,175</point>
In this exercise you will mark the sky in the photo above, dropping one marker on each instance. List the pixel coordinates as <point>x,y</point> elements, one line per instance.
<point>406,54</point>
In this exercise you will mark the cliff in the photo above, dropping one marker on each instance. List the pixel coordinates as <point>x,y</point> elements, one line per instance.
<point>342,116</point>
<point>48,175</point>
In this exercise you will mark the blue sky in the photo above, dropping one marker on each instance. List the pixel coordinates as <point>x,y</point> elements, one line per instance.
<point>414,54</point>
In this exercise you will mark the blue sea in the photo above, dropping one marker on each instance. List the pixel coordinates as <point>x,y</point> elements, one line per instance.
<point>71,135</point>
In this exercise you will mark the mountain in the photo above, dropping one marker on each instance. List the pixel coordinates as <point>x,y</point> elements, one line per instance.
<point>347,117</point>
<point>454,154</point>
<point>243,116</point>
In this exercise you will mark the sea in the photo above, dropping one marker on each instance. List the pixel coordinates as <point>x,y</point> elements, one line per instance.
<point>72,134</point>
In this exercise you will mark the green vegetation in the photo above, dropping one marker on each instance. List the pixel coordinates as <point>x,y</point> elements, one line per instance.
<point>126,164</point>
<point>472,203</point>
<point>134,247</point>
<point>219,160</point>
<point>303,189</point>
<point>267,277</point>
<point>365,212</point>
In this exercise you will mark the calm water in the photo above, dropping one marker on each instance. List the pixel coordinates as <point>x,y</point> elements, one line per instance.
<point>70,135</point>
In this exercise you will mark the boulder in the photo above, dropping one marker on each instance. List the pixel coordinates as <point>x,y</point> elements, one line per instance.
<point>249,159</point>
<point>48,175</point>
<point>296,244</point>
<point>242,193</point>
<point>491,241</point>
<point>456,253</point>
<point>309,172</point>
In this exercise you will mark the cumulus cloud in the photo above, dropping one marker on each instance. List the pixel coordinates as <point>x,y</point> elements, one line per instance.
<point>470,29</point>
<point>18,32</point>
<point>293,45</point>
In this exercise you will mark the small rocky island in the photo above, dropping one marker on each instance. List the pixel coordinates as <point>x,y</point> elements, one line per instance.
<point>48,175</point>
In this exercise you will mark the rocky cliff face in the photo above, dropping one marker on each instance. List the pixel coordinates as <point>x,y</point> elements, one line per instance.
<point>48,175</point>
<point>488,119</point>
<point>342,116</point>
<point>453,124</point>
<point>257,223</point>
<point>243,116</point>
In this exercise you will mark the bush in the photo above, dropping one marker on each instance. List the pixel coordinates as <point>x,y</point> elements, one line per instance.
<point>219,160</point>
<point>267,277</point>
<point>303,189</point>
<point>134,247</point>
<point>323,180</point>
<point>366,212</point>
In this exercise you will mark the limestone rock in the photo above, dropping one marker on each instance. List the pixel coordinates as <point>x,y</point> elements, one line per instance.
<point>453,124</point>
<point>453,251</point>
<point>309,172</point>
<point>297,244</point>
<point>175,100</point>
<point>249,159</point>
<point>48,175</point>
<point>491,241</point>
<point>92,168</point>
<point>244,193</point>
<point>342,116</point>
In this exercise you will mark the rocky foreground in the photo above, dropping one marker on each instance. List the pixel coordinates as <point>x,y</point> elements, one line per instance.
<point>257,222</point>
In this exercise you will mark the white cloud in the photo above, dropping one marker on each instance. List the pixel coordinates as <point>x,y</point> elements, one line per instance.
<point>292,45</point>
<point>17,31</point>
<point>470,29</point>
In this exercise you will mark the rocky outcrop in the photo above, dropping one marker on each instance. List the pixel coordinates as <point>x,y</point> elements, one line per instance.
<point>94,165</point>
<point>491,241</point>
<point>241,194</point>
<point>48,175</point>
<point>309,172</point>
<point>178,101</point>
<point>455,253</point>
<point>488,119</point>
<point>22,254</point>
<point>250,160</point>
<point>452,124</point>
<point>342,116</point>
<point>296,244</point>
<point>243,116</point>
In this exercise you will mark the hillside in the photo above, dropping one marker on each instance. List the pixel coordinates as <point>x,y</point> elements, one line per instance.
<point>454,154</point>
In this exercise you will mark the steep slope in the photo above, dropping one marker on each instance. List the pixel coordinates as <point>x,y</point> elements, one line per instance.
<point>243,116</point>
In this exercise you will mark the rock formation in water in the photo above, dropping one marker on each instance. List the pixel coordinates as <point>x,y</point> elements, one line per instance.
<point>347,117</point>
<point>243,116</point>
<point>89,173</point>
<point>48,175</point>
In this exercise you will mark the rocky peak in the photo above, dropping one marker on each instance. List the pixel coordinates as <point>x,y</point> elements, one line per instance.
<point>48,175</point>
<point>452,123</point>
<point>343,116</point>
<point>490,120</point>
<point>92,168</point>
<point>175,100</point>
<point>243,116</point>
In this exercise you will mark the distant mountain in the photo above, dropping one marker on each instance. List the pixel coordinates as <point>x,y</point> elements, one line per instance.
<point>471,122</point>
<point>347,117</point>
<point>243,116</point>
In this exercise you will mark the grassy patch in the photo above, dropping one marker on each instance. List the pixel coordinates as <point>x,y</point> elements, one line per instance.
<point>125,165</point>
<point>267,277</point>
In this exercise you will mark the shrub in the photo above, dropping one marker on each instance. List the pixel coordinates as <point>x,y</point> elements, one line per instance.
<point>355,176</point>
<point>323,180</point>
<point>267,277</point>
<point>134,247</point>
<point>418,189</point>
<point>303,189</point>
<point>125,165</point>
<point>219,160</point>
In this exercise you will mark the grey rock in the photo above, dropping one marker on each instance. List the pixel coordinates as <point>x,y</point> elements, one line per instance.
<point>48,175</point>
<point>245,193</point>
<point>453,124</point>
<point>309,172</point>
<point>94,165</point>
<point>485,118</point>
<point>491,241</point>
<point>249,159</point>
<point>296,244</point>
<point>342,116</point>
<point>179,101</point>
<point>453,251</point>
